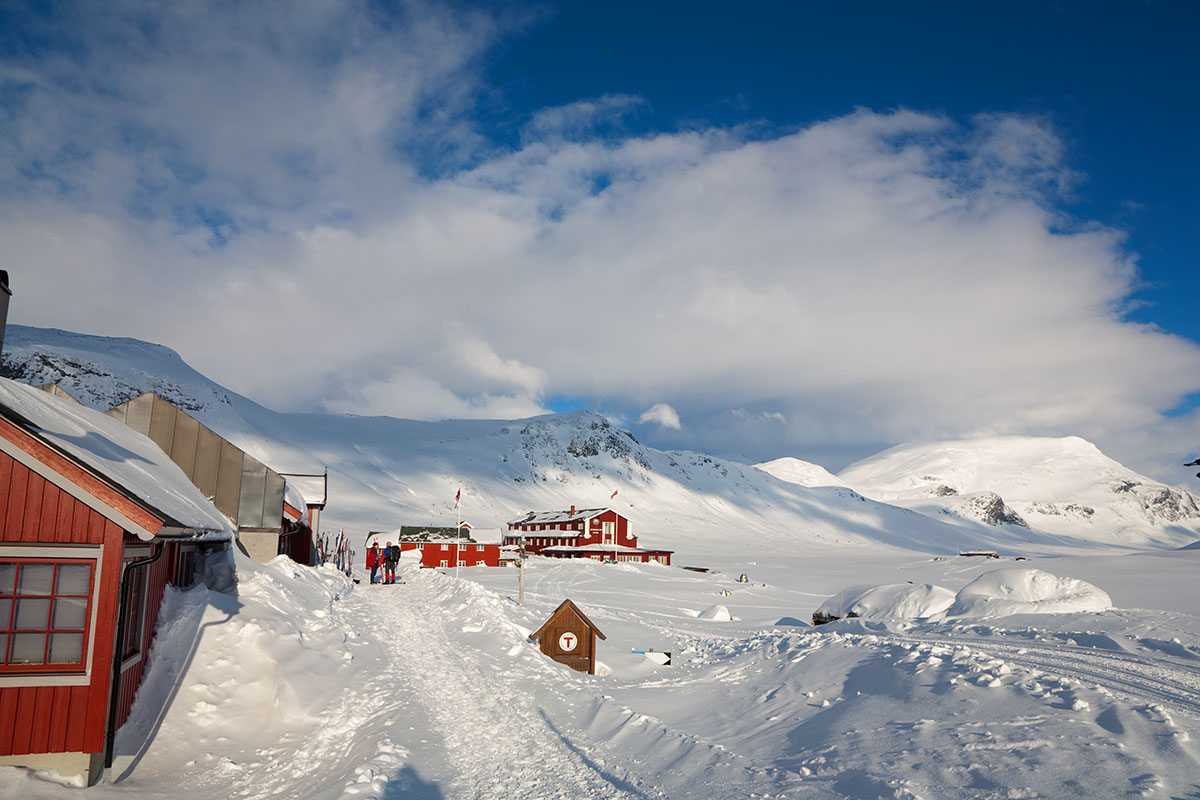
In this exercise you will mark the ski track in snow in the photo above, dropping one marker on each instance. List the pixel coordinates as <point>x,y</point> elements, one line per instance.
<point>1129,677</point>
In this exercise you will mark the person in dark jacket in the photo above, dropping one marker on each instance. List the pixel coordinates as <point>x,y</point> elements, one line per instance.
<point>391,556</point>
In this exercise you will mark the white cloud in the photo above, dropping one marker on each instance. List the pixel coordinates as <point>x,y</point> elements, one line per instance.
<point>579,120</point>
<point>868,279</point>
<point>661,414</point>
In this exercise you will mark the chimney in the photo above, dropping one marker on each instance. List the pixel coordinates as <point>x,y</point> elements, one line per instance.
<point>572,511</point>
<point>5,293</point>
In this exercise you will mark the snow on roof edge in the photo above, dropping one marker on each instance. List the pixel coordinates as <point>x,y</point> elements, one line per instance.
<point>119,455</point>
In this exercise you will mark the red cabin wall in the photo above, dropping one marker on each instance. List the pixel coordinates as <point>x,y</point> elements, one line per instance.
<point>56,719</point>
<point>160,574</point>
<point>73,719</point>
<point>595,531</point>
<point>592,532</point>
<point>432,554</point>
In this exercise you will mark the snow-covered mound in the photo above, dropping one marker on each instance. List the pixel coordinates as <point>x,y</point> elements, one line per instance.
<point>804,473</point>
<point>1065,487</point>
<point>894,601</point>
<point>717,613</point>
<point>1026,590</point>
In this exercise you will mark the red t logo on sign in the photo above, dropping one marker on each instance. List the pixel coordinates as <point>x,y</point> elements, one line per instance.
<point>568,642</point>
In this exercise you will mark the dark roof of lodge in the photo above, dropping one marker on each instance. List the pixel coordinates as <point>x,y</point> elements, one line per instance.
<point>428,533</point>
<point>552,517</point>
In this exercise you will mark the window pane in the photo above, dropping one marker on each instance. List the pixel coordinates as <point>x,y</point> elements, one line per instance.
<point>32,613</point>
<point>73,579</point>
<point>5,613</point>
<point>3,648</point>
<point>69,612</point>
<point>66,648</point>
<point>35,579</point>
<point>28,648</point>
<point>8,577</point>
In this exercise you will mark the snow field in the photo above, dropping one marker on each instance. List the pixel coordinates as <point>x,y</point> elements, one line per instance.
<point>305,685</point>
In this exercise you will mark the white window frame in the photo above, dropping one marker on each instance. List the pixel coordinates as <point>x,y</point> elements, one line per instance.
<point>80,552</point>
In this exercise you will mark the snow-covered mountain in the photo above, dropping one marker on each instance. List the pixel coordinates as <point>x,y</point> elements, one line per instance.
<point>386,472</point>
<point>1064,486</point>
<point>804,473</point>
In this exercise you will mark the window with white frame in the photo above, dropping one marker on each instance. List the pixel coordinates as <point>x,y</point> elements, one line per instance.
<point>45,610</point>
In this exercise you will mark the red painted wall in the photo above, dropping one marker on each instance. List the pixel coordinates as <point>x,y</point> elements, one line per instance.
<point>535,540</point>
<point>57,719</point>
<point>160,574</point>
<point>432,555</point>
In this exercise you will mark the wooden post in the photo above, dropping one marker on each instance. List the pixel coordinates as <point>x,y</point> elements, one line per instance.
<point>521,573</point>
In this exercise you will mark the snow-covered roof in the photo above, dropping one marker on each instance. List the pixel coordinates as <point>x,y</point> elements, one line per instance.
<point>311,487</point>
<point>555,517</point>
<point>116,453</point>
<point>293,497</point>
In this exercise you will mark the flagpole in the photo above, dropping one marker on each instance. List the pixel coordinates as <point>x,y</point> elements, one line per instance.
<point>458,525</point>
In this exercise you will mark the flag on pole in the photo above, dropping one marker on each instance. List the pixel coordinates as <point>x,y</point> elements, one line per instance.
<point>614,494</point>
<point>457,496</point>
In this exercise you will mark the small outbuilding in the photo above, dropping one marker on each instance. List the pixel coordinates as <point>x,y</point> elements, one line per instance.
<point>569,637</point>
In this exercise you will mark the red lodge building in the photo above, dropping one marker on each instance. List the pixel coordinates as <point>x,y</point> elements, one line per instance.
<point>600,534</point>
<point>95,521</point>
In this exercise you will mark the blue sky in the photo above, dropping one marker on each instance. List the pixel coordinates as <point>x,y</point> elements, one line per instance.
<point>1119,81</point>
<point>799,229</point>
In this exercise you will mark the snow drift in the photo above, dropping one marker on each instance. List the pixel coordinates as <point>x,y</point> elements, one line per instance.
<point>894,601</point>
<point>999,593</point>
<point>1026,590</point>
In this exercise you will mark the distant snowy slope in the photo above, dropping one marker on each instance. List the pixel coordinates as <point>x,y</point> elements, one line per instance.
<point>1062,486</point>
<point>385,472</point>
<point>103,372</point>
<point>804,473</point>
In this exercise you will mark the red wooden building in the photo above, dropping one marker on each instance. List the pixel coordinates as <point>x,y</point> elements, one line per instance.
<point>441,547</point>
<point>95,521</point>
<point>600,534</point>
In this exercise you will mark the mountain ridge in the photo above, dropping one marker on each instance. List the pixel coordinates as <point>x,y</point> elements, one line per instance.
<point>386,472</point>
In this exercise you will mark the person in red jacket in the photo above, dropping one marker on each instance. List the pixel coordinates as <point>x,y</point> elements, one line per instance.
<point>373,559</point>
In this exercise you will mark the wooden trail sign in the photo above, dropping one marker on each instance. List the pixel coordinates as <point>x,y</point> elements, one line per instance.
<point>569,637</point>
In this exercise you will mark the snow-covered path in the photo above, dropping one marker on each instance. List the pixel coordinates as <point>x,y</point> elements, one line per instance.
<point>493,739</point>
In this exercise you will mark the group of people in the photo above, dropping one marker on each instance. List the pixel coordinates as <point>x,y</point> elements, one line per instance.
<point>383,559</point>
